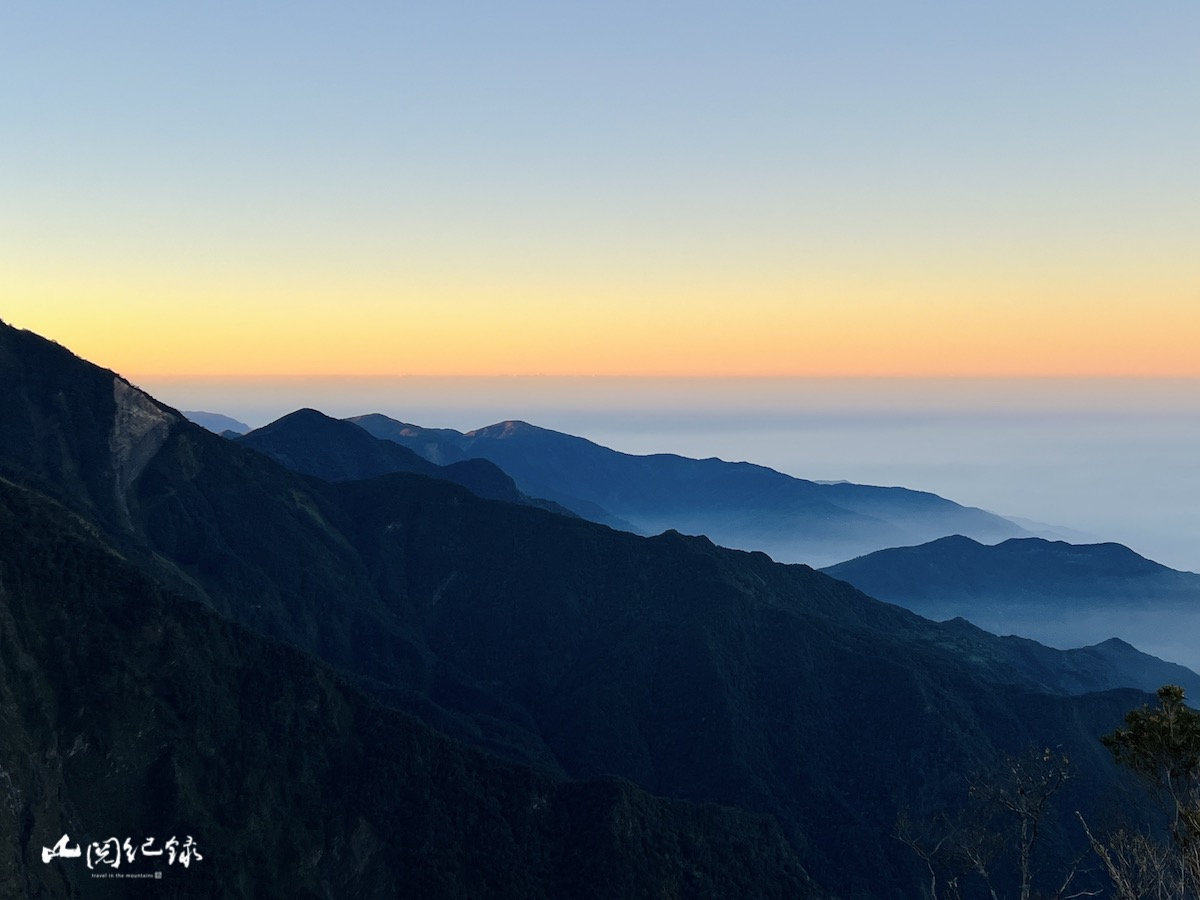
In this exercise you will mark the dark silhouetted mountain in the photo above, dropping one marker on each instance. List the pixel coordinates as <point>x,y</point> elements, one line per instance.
<point>215,422</point>
<point>695,672</point>
<point>131,712</point>
<point>736,504</point>
<point>1063,594</point>
<point>312,443</point>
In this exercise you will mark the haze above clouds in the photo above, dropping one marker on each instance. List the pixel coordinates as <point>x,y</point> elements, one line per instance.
<point>1113,459</point>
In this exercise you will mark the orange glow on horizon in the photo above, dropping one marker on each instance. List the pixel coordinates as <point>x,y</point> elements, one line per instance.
<point>822,328</point>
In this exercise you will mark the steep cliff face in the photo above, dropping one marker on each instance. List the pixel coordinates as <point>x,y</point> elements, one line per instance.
<point>79,433</point>
<point>140,427</point>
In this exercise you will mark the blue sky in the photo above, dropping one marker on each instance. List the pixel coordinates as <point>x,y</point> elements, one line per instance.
<point>500,184</point>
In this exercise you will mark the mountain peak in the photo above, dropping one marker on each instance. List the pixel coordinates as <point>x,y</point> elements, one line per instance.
<point>506,429</point>
<point>306,413</point>
<point>404,428</point>
<point>305,422</point>
<point>958,540</point>
<point>1115,643</point>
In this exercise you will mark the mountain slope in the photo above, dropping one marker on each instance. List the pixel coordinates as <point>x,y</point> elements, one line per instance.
<point>1112,663</point>
<point>602,652</point>
<point>1063,594</point>
<point>132,712</point>
<point>736,504</point>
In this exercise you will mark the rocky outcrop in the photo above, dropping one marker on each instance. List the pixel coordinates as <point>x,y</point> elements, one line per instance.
<point>140,427</point>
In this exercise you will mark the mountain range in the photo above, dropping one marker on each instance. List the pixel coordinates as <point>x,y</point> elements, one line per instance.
<point>739,505</point>
<point>311,443</point>
<point>308,671</point>
<point>1059,593</point>
<point>1040,572</point>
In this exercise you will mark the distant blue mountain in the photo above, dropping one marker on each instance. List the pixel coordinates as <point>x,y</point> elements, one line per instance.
<point>215,422</point>
<point>1059,593</point>
<point>737,505</point>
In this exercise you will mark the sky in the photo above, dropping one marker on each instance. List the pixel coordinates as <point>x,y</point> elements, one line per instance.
<point>460,189</point>
<point>951,246</point>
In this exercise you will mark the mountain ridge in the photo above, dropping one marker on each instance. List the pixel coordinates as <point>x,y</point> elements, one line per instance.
<point>311,443</point>
<point>738,504</point>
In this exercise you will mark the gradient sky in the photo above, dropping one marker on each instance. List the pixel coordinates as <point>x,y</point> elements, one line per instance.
<point>840,188</point>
